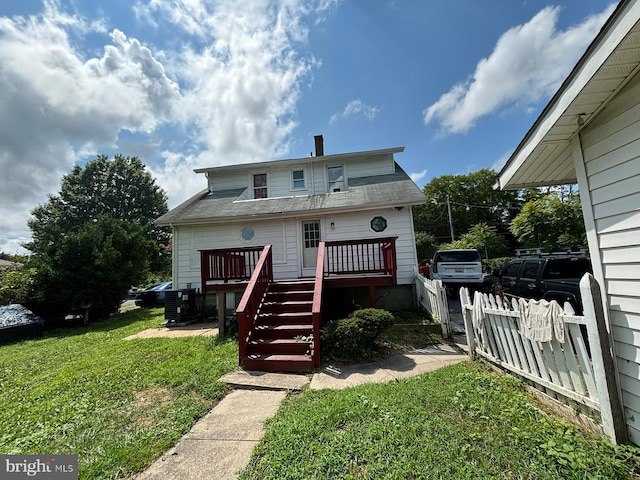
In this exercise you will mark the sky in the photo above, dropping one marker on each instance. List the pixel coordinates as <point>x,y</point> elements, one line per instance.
<point>185,84</point>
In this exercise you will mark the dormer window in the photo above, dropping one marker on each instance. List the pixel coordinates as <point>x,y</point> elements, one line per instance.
<point>260,185</point>
<point>335,176</point>
<point>297,179</point>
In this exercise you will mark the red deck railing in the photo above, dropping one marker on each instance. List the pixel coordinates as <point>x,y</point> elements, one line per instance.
<point>367,256</point>
<point>222,265</point>
<point>252,298</point>
<point>316,314</point>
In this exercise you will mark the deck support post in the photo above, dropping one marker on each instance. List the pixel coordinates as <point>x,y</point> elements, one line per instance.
<point>372,296</point>
<point>221,304</point>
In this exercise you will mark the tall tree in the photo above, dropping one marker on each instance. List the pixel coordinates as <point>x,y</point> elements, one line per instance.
<point>472,200</point>
<point>97,237</point>
<point>550,221</point>
<point>120,189</point>
<point>91,267</point>
<point>483,238</point>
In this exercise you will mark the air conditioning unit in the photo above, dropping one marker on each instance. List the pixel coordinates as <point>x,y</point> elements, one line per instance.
<point>180,306</point>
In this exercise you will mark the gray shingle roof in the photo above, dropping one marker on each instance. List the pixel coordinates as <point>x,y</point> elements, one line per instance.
<point>395,189</point>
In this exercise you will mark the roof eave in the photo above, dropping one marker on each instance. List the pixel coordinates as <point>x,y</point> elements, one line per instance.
<point>615,29</point>
<point>333,157</point>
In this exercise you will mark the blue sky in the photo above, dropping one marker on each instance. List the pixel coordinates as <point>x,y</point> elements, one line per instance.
<point>185,84</point>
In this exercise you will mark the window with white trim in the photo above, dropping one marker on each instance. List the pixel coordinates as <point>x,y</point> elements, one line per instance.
<point>297,179</point>
<point>335,177</point>
<point>260,185</point>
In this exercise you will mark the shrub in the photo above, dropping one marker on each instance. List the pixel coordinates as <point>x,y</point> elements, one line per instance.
<point>15,285</point>
<point>353,337</point>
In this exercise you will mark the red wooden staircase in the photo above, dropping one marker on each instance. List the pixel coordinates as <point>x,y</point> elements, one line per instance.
<point>279,322</point>
<point>281,338</point>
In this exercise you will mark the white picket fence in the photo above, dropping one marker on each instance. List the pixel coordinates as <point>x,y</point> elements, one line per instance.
<point>581,368</point>
<point>432,296</point>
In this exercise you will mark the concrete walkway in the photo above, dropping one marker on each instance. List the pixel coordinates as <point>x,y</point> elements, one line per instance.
<point>220,444</point>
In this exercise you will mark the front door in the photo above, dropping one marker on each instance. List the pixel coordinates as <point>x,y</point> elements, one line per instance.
<point>310,241</point>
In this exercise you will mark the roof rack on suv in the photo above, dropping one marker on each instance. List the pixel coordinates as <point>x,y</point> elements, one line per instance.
<point>539,252</point>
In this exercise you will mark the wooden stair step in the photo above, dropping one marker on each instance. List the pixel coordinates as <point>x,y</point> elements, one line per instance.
<point>282,331</point>
<point>295,306</point>
<point>279,346</point>
<point>299,295</point>
<point>274,318</point>
<point>290,286</point>
<point>278,363</point>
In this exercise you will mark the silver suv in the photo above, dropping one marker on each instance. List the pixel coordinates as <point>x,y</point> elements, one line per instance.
<point>461,266</point>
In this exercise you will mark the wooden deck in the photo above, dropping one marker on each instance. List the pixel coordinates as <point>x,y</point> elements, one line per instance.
<point>279,322</point>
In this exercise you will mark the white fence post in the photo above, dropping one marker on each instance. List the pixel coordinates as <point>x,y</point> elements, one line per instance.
<point>432,295</point>
<point>613,422</point>
<point>465,300</point>
<point>443,308</point>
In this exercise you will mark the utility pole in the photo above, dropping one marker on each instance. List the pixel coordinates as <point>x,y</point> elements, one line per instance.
<point>450,219</point>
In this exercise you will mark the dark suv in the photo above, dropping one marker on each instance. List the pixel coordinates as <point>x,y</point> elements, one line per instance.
<point>548,278</point>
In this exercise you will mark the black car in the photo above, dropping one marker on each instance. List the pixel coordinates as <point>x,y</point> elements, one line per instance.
<point>153,296</point>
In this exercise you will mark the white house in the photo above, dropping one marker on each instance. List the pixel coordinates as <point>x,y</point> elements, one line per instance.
<point>355,205</point>
<point>589,134</point>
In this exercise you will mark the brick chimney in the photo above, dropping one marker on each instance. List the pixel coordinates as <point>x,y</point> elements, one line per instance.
<point>319,145</point>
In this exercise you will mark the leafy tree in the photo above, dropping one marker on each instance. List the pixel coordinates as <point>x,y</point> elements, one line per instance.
<point>121,189</point>
<point>483,238</point>
<point>15,285</point>
<point>426,245</point>
<point>472,199</point>
<point>550,221</point>
<point>91,267</point>
<point>97,237</point>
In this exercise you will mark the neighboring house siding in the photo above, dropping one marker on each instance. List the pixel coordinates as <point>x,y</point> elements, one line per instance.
<point>611,145</point>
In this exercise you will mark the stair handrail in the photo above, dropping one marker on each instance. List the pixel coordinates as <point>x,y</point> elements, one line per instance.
<point>316,311</point>
<point>252,297</point>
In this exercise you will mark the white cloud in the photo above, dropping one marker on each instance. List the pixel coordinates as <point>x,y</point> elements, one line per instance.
<point>528,63</point>
<point>356,108</point>
<point>416,177</point>
<point>241,82</point>
<point>228,86</point>
<point>58,105</point>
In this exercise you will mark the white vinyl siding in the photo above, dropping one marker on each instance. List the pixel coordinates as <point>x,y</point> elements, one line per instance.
<point>280,182</point>
<point>370,166</point>
<point>355,225</point>
<point>611,149</point>
<point>284,236</point>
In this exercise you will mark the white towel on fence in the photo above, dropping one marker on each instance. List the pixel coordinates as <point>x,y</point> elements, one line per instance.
<point>540,320</point>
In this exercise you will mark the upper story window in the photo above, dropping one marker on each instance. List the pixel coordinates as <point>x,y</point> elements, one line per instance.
<point>335,175</point>
<point>260,185</point>
<point>297,179</point>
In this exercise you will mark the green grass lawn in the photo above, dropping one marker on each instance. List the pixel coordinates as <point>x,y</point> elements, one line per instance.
<point>459,422</point>
<point>119,404</point>
<point>116,403</point>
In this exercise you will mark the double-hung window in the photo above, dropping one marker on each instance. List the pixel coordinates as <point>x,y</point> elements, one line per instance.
<point>260,185</point>
<point>297,179</point>
<point>335,176</point>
